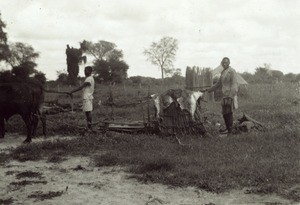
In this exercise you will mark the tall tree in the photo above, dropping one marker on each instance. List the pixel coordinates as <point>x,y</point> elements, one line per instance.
<point>108,60</point>
<point>21,53</point>
<point>22,58</point>
<point>162,53</point>
<point>4,48</point>
<point>102,50</point>
<point>74,58</point>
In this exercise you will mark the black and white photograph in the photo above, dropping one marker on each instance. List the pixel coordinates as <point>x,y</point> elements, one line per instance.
<point>161,102</point>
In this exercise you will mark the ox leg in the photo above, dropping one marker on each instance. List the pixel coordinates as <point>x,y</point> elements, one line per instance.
<point>44,121</point>
<point>2,127</point>
<point>34,125</point>
<point>29,122</point>
<point>42,116</point>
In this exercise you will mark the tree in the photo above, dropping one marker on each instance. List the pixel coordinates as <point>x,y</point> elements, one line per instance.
<point>108,63</point>
<point>6,76</point>
<point>262,75</point>
<point>290,77</point>
<point>74,58</point>
<point>118,70</point>
<point>177,72</point>
<point>62,76</point>
<point>102,50</point>
<point>21,53</point>
<point>40,77</point>
<point>22,58</point>
<point>111,71</point>
<point>277,75</point>
<point>4,48</point>
<point>24,70</point>
<point>163,54</point>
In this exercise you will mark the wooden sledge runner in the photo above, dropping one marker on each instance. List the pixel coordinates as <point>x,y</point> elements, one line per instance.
<point>127,127</point>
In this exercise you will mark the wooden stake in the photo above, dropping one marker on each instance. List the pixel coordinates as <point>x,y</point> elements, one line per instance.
<point>148,104</point>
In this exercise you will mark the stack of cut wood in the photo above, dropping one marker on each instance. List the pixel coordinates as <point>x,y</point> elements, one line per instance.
<point>198,79</point>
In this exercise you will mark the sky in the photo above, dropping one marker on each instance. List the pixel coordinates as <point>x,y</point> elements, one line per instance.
<point>251,33</point>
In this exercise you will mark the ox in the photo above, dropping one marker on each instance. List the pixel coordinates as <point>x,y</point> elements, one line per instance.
<point>25,99</point>
<point>186,99</point>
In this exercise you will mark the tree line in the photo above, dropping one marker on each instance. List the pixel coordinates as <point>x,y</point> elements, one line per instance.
<point>265,75</point>
<point>109,64</point>
<point>108,60</point>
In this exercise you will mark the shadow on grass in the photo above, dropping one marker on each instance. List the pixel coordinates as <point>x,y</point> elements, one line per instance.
<point>4,158</point>
<point>39,195</point>
<point>29,174</point>
<point>7,201</point>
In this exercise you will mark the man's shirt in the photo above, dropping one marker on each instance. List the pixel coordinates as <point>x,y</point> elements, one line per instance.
<point>88,91</point>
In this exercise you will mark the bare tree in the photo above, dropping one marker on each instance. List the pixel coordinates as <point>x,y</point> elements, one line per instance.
<point>162,53</point>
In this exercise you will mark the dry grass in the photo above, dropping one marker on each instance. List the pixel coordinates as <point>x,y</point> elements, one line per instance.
<point>264,162</point>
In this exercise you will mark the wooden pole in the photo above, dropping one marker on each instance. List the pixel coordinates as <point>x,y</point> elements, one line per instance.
<point>148,104</point>
<point>72,104</point>
<point>142,107</point>
<point>111,100</point>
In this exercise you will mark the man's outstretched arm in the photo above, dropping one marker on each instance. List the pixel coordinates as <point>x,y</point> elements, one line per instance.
<point>85,84</point>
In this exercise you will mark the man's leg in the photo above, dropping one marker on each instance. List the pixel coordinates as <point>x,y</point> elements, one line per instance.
<point>227,107</point>
<point>226,124</point>
<point>229,122</point>
<point>228,119</point>
<point>89,119</point>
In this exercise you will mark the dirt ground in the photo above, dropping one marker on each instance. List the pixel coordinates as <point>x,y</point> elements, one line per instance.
<point>77,181</point>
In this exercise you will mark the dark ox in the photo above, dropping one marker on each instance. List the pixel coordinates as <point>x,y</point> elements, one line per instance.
<point>25,99</point>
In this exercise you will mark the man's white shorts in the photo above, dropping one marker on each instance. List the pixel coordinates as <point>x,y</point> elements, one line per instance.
<point>87,105</point>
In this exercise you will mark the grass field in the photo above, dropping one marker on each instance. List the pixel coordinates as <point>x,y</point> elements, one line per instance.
<point>262,162</point>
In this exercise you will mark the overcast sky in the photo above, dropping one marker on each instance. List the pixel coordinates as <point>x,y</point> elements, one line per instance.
<point>251,32</point>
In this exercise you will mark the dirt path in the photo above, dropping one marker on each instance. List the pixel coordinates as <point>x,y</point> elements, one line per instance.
<point>77,181</point>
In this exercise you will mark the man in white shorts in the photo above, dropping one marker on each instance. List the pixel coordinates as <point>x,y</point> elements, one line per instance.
<point>87,95</point>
